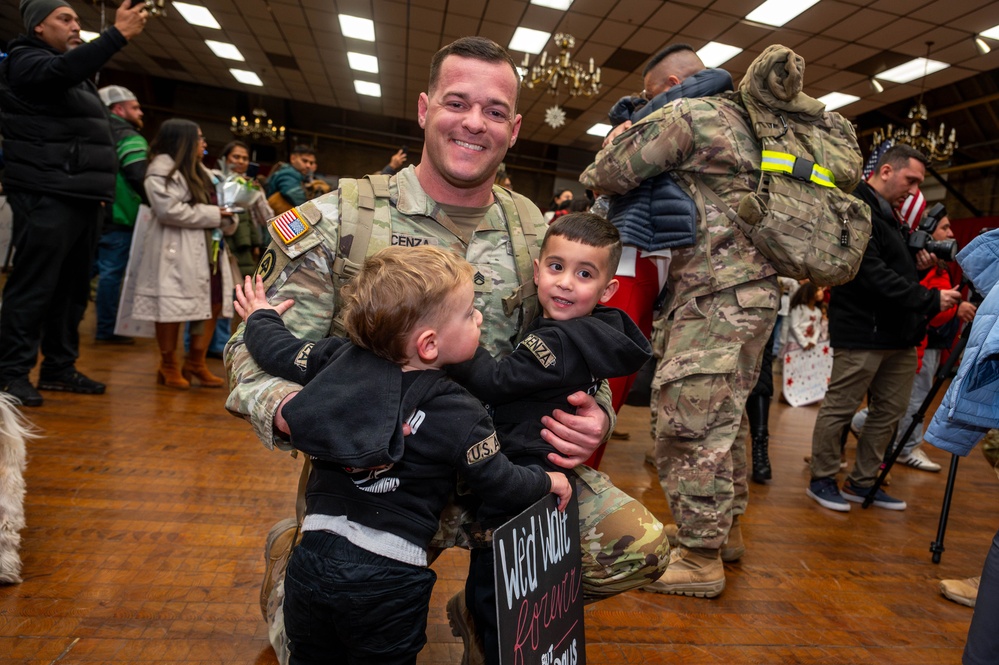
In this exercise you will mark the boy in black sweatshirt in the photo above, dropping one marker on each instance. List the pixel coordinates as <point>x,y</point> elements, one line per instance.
<point>358,584</point>
<point>574,345</point>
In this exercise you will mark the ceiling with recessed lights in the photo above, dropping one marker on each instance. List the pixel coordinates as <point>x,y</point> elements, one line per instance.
<point>307,50</point>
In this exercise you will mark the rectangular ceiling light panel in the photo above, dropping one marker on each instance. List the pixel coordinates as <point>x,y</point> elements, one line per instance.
<point>600,129</point>
<point>368,88</point>
<point>362,62</point>
<point>88,36</point>
<point>991,33</point>
<point>912,70</point>
<point>196,15</point>
<point>225,50</point>
<point>714,54</point>
<point>835,100</point>
<point>529,41</point>
<point>778,12</point>
<point>554,4</point>
<point>244,76</point>
<point>357,28</point>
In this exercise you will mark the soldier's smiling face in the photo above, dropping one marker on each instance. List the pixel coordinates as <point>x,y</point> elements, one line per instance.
<point>471,121</point>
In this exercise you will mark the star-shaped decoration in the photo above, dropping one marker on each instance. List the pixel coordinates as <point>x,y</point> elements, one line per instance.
<point>790,382</point>
<point>825,350</point>
<point>555,117</point>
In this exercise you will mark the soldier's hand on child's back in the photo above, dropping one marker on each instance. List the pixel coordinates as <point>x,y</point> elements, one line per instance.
<point>561,487</point>
<point>250,297</point>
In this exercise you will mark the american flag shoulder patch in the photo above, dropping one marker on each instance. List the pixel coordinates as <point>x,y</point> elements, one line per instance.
<point>290,226</point>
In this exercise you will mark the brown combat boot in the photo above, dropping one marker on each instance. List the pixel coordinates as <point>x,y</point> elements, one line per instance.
<point>691,572</point>
<point>281,539</point>
<point>463,626</point>
<point>964,592</point>
<point>732,550</point>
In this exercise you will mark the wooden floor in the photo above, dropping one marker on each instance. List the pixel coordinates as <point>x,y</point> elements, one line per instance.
<point>147,510</point>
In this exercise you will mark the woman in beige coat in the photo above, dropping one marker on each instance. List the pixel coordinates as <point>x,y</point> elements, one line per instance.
<point>184,270</point>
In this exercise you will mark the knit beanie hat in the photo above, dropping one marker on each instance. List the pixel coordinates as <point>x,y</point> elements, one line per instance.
<point>34,12</point>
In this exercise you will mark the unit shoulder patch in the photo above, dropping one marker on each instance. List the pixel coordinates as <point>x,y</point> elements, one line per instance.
<point>537,346</point>
<point>483,450</point>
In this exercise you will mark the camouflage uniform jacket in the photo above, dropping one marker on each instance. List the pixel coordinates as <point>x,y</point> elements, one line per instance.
<point>709,138</point>
<point>303,271</point>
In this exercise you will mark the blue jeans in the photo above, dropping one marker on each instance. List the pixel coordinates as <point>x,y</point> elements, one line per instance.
<point>112,259</point>
<point>345,605</point>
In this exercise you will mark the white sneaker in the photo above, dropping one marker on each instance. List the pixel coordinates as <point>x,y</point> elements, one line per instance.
<point>917,459</point>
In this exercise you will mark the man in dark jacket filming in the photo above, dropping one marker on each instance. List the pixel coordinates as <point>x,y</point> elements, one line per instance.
<point>875,323</point>
<point>60,170</point>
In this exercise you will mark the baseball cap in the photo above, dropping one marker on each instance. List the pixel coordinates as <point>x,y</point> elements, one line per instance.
<point>115,94</point>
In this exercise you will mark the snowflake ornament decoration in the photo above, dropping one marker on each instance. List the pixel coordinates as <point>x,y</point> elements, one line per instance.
<point>555,117</point>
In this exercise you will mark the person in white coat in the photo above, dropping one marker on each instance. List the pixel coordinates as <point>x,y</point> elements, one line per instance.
<point>184,273</point>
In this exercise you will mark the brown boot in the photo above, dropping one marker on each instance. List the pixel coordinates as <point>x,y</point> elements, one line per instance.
<point>691,572</point>
<point>732,550</point>
<point>964,592</point>
<point>169,374</point>
<point>195,365</point>
<point>463,626</point>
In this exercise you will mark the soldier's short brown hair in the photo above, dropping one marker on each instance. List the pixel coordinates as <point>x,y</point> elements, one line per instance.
<point>476,48</point>
<point>588,229</point>
<point>396,289</point>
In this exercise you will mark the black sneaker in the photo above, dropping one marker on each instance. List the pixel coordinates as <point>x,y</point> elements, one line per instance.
<point>72,381</point>
<point>115,339</point>
<point>882,499</point>
<point>825,492</point>
<point>22,390</point>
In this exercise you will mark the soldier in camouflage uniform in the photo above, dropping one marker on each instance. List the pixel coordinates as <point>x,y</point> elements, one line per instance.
<point>449,200</point>
<point>723,298</point>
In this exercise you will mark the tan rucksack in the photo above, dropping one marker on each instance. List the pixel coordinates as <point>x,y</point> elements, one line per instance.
<point>802,216</point>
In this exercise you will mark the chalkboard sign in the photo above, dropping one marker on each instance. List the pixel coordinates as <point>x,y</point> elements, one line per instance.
<point>539,598</point>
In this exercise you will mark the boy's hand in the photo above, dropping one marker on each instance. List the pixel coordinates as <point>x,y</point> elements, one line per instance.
<point>250,297</point>
<point>562,488</point>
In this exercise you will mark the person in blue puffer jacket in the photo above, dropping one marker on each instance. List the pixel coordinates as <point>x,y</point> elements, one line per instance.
<point>969,409</point>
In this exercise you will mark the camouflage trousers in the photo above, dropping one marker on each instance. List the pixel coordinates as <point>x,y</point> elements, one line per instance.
<point>711,347</point>
<point>623,547</point>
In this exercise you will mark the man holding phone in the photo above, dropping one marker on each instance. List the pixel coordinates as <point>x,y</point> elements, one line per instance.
<point>60,169</point>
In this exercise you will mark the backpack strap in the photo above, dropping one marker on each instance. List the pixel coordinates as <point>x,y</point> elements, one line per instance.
<point>356,225</point>
<point>524,239</point>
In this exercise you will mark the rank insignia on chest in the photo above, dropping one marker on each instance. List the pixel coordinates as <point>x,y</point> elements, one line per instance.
<point>290,226</point>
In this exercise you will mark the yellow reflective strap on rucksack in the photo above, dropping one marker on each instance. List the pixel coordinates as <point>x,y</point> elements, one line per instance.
<point>797,167</point>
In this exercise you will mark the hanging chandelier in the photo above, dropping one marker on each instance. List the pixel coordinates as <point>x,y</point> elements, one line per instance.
<point>258,130</point>
<point>561,72</point>
<point>937,146</point>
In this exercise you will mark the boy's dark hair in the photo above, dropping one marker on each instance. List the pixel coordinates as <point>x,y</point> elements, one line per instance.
<point>805,295</point>
<point>588,229</point>
<point>899,155</point>
<point>477,48</point>
<point>302,149</point>
<point>665,53</point>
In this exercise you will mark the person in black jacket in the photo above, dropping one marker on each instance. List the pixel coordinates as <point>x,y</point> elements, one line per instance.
<point>875,323</point>
<point>60,169</point>
<point>574,345</point>
<point>358,587</point>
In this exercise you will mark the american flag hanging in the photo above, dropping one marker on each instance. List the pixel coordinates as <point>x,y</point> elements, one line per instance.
<point>876,153</point>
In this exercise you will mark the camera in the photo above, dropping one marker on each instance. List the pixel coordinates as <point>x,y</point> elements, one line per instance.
<point>922,237</point>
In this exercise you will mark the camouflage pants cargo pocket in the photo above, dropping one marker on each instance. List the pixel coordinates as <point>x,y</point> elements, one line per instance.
<point>696,392</point>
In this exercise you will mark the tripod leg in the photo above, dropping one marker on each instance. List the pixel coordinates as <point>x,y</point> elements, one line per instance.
<point>937,546</point>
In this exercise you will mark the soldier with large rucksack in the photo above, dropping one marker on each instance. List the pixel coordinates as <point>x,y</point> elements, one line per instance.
<point>722,291</point>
